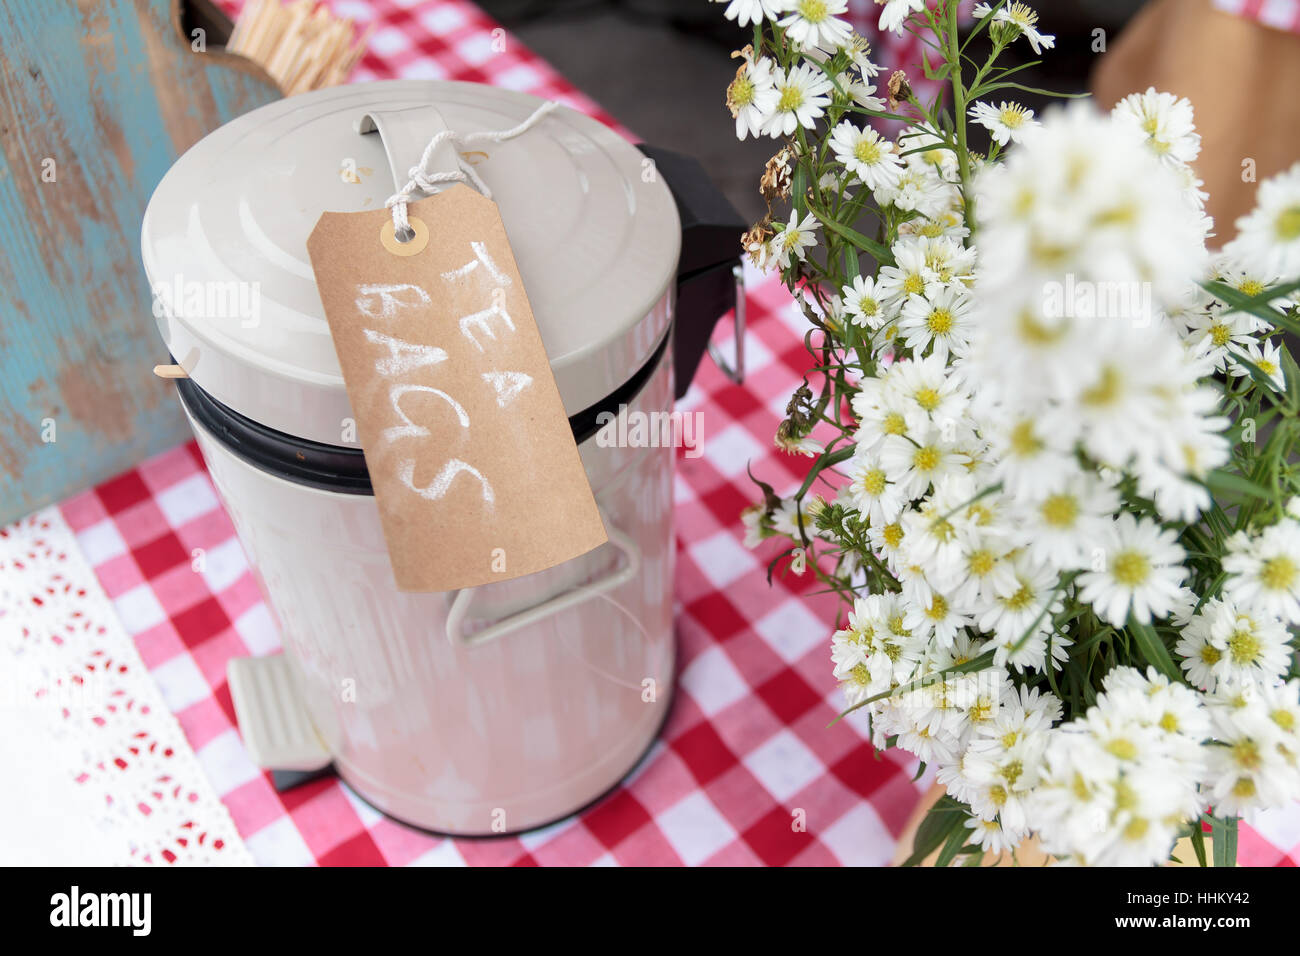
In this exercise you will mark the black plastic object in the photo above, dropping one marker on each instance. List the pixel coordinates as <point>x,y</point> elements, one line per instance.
<point>711,231</point>
<point>340,469</point>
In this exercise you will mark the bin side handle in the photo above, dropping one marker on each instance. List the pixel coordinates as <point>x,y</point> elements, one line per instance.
<point>460,604</point>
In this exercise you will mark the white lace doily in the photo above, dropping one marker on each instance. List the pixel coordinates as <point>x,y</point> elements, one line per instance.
<point>96,771</point>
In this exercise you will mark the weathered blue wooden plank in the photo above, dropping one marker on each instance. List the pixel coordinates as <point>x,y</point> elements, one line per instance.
<point>97,99</point>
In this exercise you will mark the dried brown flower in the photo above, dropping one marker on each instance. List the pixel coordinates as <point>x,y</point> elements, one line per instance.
<point>778,176</point>
<point>899,89</point>
<point>755,242</point>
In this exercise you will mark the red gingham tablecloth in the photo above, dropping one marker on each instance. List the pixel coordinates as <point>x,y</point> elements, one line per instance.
<point>747,744</point>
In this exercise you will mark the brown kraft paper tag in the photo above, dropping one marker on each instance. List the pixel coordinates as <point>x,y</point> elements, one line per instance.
<point>474,467</point>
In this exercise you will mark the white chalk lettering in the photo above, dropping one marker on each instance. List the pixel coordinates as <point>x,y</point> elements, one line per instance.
<point>387,299</point>
<point>410,429</point>
<point>403,356</point>
<point>479,320</point>
<point>507,385</point>
<point>437,488</point>
<point>481,258</point>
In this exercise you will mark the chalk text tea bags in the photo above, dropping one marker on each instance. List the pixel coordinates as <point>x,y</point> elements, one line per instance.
<point>470,453</point>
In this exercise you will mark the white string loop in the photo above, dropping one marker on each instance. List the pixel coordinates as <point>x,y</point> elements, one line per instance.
<point>421,180</point>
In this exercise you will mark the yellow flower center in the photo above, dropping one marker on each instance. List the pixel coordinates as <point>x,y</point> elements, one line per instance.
<point>1131,568</point>
<point>939,322</point>
<point>928,398</point>
<point>1245,753</point>
<point>1251,287</point>
<point>1020,600</point>
<point>1024,442</point>
<point>861,675</point>
<point>1210,655</point>
<point>926,459</point>
<point>1107,390</point>
<point>1243,647</point>
<point>914,284</point>
<point>873,482</point>
<point>742,93</point>
<point>1288,224</point>
<point>1038,333</point>
<point>1136,829</point>
<point>791,99</point>
<point>1122,748</point>
<point>1012,116</point>
<point>1220,335</point>
<point>1284,719</point>
<point>1278,574</point>
<point>867,151</point>
<point>982,562</point>
<point>892,535</point>
<point>1244,787</point>
<point>894,424</point>
<point>814,11</point>
<point>938,609</point>
<point>1060,511</point>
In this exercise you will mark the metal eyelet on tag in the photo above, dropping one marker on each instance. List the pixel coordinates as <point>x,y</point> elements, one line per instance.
<point>388,236</point>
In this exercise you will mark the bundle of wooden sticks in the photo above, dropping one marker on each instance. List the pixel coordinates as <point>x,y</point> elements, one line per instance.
<point>299,43</point>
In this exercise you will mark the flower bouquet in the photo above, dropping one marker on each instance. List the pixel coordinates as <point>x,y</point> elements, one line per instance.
<point>1051,438</point>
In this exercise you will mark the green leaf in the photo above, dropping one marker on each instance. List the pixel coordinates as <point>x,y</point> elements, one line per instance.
<point>1224,834</point>
<point>1153,649</point>
<point>878,252</point>
<point>944,817</point>
<point>952,846</point>
<point>1219,480</point>
<point>1198,843</point>
<point>1291,373</point>
<point>1257,374</point>
<point>1260,305</point>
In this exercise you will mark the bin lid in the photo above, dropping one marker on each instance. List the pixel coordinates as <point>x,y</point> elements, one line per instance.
<point>594,230</point>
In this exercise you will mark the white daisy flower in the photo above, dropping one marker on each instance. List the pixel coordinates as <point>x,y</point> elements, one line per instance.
<point>1167,122</point>
<point>1223,646</point>
<point>807,446</point>
<point>816,23</point>
<point>745,12</point>
<point>919,188</point>
<point>940,324</point>
<point>911,274</point>
<point>924,458</point>
<point>865,153</point>
<point>864,305</point>
<point>1032,451</point>
<point>1142,572</point>
<point>896,13</point>
<point>1007,122</point>
<point>752,521</point>
<point>1024,18</point>
<point>789,519</point>
<point>930,394</point>
<point>797,99</point>
<point>1022,607</point>
<point>1062,524</point>
<point>1269,238</point>
<point>879,500</point>
<point>1257,762</point>
<point>1266,357</point>
<point>793,242</point>
<point>749,94</point>
<point>1264,571</point>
